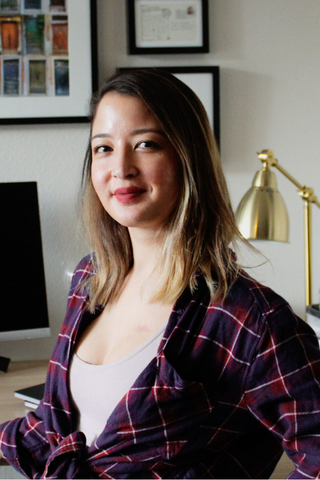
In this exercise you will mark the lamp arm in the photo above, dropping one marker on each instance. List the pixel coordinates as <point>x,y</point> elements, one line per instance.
<point>268,160</point>
<point>307,194</point>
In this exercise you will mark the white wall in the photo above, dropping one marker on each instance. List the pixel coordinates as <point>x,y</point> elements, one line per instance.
<point>268,53</point>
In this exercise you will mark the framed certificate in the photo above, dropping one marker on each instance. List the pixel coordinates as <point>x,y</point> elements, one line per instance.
<point>48,60</point>
<point>167,26</point>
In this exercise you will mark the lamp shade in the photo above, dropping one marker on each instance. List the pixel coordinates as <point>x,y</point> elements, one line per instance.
<point>262,213</point>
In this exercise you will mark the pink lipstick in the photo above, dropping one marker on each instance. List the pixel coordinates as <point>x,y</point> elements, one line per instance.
<point>128,194</point>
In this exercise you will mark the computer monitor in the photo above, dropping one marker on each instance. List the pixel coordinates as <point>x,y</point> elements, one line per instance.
<point>23,311</point>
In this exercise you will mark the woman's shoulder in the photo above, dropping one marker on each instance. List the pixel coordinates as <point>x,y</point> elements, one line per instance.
<point>252,291</point>
<point>83,271</point>
<point>260,309</point>
<point>78,293</point>
<point>252,313</point>
<point>250,303</point>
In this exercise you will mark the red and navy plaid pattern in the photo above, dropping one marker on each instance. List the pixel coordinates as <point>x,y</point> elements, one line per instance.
<point>232,385</point>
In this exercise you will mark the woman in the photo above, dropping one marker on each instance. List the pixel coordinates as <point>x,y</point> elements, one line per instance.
<point>171,362</point>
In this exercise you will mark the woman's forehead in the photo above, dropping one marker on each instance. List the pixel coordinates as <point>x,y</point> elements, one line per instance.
<point>117,110</point>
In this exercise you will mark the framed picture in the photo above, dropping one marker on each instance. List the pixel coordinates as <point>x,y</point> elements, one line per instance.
<point>167,26</point>
<point>48,60</point>
<point>205,82</point>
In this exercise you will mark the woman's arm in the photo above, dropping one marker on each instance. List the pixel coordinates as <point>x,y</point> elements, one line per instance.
<point>32,443</point>
<point>283,389</point>
<point>23,443</point>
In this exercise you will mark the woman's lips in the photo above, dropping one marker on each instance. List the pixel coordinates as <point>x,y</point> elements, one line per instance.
<point>128,194</point>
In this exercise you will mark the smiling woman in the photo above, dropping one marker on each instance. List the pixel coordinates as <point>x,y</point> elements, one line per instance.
<point>171,362</point>
<point>202,192</point>
<point>135,169</point>
<point>135,174</point>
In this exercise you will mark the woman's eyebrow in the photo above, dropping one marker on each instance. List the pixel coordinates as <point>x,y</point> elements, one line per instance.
<point>101,135</point>
<point>138,131</point>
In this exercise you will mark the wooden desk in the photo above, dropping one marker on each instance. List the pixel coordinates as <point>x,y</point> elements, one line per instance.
<point>25,374</point>
<point>19,375</point>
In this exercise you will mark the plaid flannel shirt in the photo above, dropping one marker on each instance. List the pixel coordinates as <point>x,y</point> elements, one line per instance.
<point>231,386</point>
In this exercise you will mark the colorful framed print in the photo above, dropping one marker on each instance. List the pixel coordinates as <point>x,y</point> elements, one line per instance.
<point>48,60</point>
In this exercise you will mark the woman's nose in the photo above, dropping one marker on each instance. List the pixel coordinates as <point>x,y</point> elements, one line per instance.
<point>124,165</point>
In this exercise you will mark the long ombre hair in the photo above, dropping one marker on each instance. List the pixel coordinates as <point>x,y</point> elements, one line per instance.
<point>199,233</point>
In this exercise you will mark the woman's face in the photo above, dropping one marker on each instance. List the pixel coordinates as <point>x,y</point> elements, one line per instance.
<point>135,169</point>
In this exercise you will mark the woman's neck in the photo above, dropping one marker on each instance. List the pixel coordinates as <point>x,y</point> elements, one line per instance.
<point>146,247</point>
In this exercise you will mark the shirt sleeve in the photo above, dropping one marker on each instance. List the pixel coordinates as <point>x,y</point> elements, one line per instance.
<point>37,445</point>
<point>24,445</point>
<point>283,388</point>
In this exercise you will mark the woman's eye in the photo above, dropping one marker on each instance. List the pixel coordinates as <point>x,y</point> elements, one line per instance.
<point>102,149</point>
<point>148,144</point>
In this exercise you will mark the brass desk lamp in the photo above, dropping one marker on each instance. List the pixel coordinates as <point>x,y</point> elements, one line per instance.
<point>262,214</point>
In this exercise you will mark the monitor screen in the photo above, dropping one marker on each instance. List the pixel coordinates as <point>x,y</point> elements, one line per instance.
<point>23,313</point>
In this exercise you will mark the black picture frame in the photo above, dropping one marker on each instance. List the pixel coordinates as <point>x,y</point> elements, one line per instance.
<point>70,106</point>
<point>205,82</point>
<point>138,16</point>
